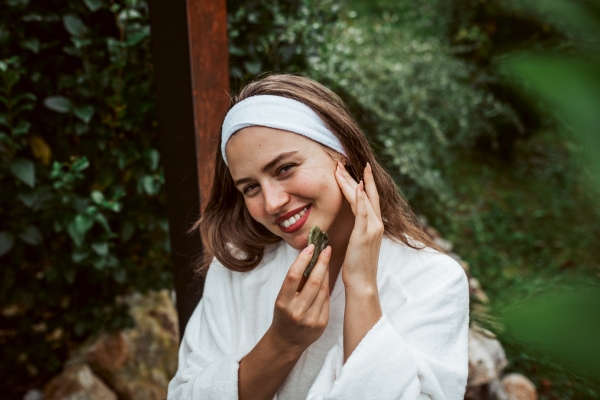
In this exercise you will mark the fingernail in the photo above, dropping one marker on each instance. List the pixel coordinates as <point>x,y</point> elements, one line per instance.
<point>369,170</point>
<point>310,249</point>
<point>327,251</point>
<point>360,186</point>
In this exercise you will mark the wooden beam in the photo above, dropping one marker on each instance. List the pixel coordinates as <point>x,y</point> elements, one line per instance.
<point>192,85</point>
<point>207,21</point>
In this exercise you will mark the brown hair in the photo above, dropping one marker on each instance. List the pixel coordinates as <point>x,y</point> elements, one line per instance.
<point>229,232</point>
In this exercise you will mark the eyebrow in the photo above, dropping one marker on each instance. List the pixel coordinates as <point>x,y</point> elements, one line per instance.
<point>268,166</point>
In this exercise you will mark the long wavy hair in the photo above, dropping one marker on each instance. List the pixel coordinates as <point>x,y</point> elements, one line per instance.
<point>229,232</point>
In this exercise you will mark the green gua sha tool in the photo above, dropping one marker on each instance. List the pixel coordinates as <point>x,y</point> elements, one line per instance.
<point>320,240</point>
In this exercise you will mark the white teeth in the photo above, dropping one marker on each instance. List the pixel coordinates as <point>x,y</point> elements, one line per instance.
<point>293,219</point>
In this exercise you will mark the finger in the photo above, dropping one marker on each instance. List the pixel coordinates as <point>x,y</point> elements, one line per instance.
<point>315,279</point>
<point>317,304</point>
<point>348,187</point>
<point>301,284</point>
<point>324,316</point>
<point>288,289</point>
<point>361,221</point>
<point>371,190</point>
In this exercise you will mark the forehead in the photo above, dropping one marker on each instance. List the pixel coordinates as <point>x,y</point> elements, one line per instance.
<point>251,148</point>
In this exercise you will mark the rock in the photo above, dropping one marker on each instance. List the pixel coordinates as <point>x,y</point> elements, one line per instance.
<point>518,387</point>
<point>138,363</point>
<point>432,232</point>
<point>445,244</point>
<point>33,394</point>
<point>486,357</point>
<point>476,292</point>
<point>464,265</point>
<point>77,382</point>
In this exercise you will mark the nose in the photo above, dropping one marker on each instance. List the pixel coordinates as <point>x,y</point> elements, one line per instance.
<point>275,198</point>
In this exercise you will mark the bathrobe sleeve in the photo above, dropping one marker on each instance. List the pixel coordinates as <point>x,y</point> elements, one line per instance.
<point>417,350</point>
<point>209,355</point>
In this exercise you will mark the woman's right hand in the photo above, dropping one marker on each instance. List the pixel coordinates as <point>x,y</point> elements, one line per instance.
<point>300,318</point>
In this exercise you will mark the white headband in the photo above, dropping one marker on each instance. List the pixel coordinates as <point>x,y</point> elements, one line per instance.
<point>279,113</point>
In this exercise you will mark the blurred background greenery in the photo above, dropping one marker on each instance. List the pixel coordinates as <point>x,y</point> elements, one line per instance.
<point>485,112</point>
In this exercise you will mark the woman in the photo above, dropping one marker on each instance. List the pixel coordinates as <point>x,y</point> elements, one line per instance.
<point>383,314</point>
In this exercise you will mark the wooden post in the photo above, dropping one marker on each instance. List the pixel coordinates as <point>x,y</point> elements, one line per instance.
<point>192,83</point>
<point>207,21</point>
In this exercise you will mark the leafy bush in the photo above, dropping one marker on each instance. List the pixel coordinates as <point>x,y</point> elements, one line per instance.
<point>83,212</point>
<point>416,101</point>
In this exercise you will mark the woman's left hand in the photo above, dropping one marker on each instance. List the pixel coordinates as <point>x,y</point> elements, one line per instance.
<point>362,255</point>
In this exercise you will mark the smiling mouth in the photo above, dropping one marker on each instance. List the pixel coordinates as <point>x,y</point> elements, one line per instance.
<point>296,221</point>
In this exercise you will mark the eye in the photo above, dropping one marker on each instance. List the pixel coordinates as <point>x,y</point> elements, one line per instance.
<point>283,170</point>
<point>248,188</point>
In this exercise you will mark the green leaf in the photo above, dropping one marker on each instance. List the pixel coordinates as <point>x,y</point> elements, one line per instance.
<point>118,192</point>
<point>79,256</point>
<point>100,263</point>
<point>3,120</point>
<point>94,5</point>
<point>24,170</point>
<point>127,231</point>
<point>97,197</point>
<point>83,223</point>
<point>23,96</point>
<point>74,25</point>
<point>32,17</point>
<point>120,275</point>
<point>114,206</point>
<point>563,322</point>
<point>80,128</point>
<point>12,78</point>
<point>17,3</point>
<point>32,44</point>
<point>101,219</point>
<point>28,199</point>
<point>70,277</point>
<point>31,235</point>
<point>153,157</point>
<point>80,164</point>
<point>84,113</point>
<point>253,67</point>
<point>21,109</point>
<point>7,240</point>
<point>149,185</point>
<point>79,42</point>
<point>112,261</point>
<point>136,37</point>
<point>58,103</point>
<point>21,128</point>
<point>73,51</point>
<point>100,248</point>
<point>75,234</point>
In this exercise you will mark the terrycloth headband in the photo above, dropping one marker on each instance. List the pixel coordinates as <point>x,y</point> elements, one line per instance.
<point>279,113</point>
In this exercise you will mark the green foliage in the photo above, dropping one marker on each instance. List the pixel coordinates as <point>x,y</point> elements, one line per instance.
<point>417,102</point>
<point>273,36</point>
<point>84,216</point>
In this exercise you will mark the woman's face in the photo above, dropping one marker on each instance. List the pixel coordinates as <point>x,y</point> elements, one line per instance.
<point>283,174</point>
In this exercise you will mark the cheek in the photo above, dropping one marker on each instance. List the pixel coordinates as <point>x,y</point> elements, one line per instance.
<point>255,208</point>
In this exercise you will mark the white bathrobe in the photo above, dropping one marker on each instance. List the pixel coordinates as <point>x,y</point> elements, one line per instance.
<point>417,350</point>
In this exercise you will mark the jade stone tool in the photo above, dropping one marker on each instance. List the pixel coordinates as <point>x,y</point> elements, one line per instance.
<point>320,240</point>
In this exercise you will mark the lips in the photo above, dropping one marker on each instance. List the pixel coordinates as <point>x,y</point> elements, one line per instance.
<point>298,224</point>
<point>286,216</point>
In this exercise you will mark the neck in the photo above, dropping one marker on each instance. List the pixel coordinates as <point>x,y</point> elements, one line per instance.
<point>339,237</point>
